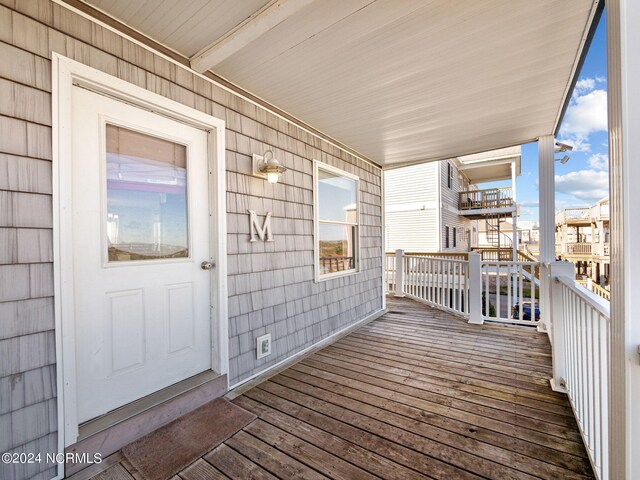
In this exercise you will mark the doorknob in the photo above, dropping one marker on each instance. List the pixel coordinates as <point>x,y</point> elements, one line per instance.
<point>207,265</point>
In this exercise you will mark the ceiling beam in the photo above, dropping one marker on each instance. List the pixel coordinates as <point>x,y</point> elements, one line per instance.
<point>252,28</point>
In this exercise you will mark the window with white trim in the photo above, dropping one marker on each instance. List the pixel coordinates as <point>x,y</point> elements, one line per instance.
<point>449,175</point>
<point>337,249</point>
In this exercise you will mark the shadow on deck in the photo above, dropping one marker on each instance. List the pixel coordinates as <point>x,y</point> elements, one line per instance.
<point>417,393</point>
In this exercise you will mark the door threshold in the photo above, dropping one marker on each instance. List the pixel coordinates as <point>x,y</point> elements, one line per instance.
<point>143,404</point>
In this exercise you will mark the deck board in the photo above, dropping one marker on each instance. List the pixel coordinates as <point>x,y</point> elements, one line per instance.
<point>417,394</point>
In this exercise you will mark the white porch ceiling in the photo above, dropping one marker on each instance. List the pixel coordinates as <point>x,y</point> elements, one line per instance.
<point>401,81</point>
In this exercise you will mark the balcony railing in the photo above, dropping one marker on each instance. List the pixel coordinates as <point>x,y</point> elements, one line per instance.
<point>447,283</point>
<point>583,248</point>
<point>439,281</point>
<point>336,264</point>
<point>491,198</point>
<point>595,213</point>
<point>508,292</point>
<point>579,248</point>
<point>580,362</point>
<point>590,285</point>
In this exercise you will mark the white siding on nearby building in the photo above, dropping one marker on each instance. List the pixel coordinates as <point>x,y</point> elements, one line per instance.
<point>411,201</point>
<point>418,208</point>
<point>449,209</point>
<point>414,231</point>
<point>452,220</point>
<point>413,184</point>
<point>449,196</point>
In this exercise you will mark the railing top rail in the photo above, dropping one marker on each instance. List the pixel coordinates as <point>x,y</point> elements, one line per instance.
<point>501,263</point>
<point>591,298</point>
<point>433,254</point>
<point>453,260</point>
<point>494,189</point>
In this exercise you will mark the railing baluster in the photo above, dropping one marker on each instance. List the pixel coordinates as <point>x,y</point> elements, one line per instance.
<point>498,288</point>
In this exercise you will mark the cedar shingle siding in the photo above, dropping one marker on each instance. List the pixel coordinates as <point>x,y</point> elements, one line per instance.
<point>271,287</point>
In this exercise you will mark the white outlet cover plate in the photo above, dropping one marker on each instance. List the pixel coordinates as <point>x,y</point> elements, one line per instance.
<point>263,345</point>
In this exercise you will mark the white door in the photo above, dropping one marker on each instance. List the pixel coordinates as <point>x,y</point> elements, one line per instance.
<point>140,234</point>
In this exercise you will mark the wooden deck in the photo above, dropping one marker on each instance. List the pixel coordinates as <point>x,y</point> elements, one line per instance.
<point>415,394</point>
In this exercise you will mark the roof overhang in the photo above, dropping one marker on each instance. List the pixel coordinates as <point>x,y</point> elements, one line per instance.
<point>491,166</point>
<point>399,82</point>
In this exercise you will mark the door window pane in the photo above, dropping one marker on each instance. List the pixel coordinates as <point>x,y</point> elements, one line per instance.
<point>146,197</point>
<point>337,248</point>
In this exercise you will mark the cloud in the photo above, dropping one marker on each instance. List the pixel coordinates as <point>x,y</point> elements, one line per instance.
<point>529,203</point>
<point>578,142</point>
<point>586,114</point>
<point>584,85</point>
<point>599,161</point>
<point>586,185</point>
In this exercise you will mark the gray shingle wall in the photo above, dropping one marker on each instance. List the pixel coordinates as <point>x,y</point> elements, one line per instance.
<point>271,287</point>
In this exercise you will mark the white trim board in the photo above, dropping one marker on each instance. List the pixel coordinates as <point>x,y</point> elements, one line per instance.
<point>65,74</point>
<point>359,156</point>
<point>263,375</point>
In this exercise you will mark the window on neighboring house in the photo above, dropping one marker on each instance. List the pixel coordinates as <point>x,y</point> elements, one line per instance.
<point>446,237</point>
<point>455,239</point>
<point>449,175</point>
<point>336,222</point>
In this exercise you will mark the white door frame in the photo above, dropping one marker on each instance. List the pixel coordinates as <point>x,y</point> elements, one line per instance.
<point>65,74</point>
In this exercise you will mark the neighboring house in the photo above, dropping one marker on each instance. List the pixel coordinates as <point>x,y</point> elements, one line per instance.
<point>528,233</point>
<point>582,237</point>
<point>441,208</point>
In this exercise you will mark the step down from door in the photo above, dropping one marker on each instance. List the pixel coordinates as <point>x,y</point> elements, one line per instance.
<point>111,432</point>
<point>164,452</point>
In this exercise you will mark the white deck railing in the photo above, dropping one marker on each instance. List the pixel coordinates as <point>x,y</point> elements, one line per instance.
<point>510,292</point>
<point>437,281</point>
<point>578,322</point>
<point>580,336</point>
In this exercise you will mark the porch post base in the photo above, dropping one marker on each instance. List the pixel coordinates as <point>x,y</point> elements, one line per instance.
<point>558,386</point>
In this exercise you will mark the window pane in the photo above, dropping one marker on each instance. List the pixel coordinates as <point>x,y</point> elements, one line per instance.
<point>146,197</point>
<point>337,247</point>
<point>336,197</point>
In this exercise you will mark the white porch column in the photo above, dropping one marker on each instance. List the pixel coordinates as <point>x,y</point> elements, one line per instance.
<point>623,52</point>
<point>514,225</point>
<point>546,152</point>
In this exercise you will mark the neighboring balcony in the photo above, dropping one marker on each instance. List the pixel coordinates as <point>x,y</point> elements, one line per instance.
<point>583,216</point>
<point>574,250</point>
<point>491,201</point>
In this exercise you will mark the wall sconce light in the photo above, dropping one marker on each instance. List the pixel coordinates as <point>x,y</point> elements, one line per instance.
<point>265,166</point>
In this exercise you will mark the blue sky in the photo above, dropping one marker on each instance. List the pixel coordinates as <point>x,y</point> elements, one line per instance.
<point>584,179</point>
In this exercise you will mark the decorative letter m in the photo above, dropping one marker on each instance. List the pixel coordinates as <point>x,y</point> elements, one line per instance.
<point>264,232</point>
